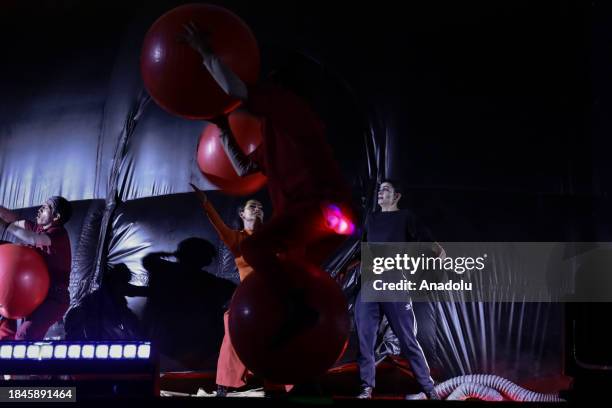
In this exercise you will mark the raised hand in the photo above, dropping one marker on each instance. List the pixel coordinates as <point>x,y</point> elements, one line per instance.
<point>196,39</point>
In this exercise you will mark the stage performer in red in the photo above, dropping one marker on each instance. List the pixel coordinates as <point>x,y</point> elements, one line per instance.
<point>48,235</point>
<point>231,372</point>
<point>312,213</point>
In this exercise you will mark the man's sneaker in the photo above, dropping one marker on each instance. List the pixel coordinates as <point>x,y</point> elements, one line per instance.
<point>432,395</point>
<point>366,393</point>
<point>415,397</point>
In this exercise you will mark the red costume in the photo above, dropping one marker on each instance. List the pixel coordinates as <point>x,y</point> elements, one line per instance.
<point>231,372</point>
<point>58,258</point>
<point>304,180</point>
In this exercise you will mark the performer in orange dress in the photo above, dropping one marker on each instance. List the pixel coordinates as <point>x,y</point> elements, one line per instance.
<point>231,372</point>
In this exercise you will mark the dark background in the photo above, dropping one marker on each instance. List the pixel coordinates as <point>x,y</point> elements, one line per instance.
<point>493,113</point>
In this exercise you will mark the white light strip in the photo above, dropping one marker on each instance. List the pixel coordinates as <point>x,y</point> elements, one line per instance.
<point>144,351</point>
<point>19,351</point>
<point>129,351</point>
<point>48,351</point>
<point>60,351</point>
<point>33,352</point>
<point>74,351</point>
<point>6,351</point>
<point>88,351</point>
<point>116,351</point>
<point>102,351</point>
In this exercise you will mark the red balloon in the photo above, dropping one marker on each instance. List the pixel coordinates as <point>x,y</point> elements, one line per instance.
<point>294,337</point>
<point>24,280</point>
<point>173,73</point>
<point>215,165</point>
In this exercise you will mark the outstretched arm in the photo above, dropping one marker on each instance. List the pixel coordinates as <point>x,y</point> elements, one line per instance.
<point>243,164</point>
<point>18,229</point>
<point>7,215</point>
<point>227,235</point>
<point>221,73</point>
<point>232,85</point>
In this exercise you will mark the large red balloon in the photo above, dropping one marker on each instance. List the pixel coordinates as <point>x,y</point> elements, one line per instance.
<point>292,337</point>
<point>215,165</point>
<point>24,280</point>
<point>173,72</point>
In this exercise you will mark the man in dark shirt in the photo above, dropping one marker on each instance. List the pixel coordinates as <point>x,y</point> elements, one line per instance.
<point>392,225</point>
<point>50,238</point>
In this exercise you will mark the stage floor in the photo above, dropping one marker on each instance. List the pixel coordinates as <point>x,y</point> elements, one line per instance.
<point>337,386</point>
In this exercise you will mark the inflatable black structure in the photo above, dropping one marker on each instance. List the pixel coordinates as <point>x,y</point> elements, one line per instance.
<point>492,114</point>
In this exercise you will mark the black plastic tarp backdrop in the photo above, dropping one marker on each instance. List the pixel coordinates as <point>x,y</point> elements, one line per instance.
<point>476,107</point>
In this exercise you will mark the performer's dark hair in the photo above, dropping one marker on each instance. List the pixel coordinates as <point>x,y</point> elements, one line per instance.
<point>397,185</point>
<point>62,207</point>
